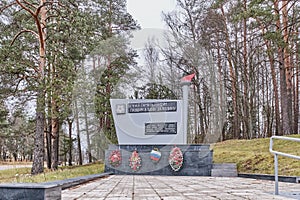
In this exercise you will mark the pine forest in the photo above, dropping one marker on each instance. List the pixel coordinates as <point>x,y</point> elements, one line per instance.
<point>61,61</point>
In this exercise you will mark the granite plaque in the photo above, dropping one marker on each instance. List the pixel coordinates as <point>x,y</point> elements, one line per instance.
<point>161,128</point>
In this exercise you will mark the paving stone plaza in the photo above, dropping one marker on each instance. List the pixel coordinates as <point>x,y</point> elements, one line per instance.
<point>180,187</point>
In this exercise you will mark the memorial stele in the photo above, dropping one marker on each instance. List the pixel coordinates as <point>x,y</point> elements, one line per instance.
<point>140,121</point>
<point>150,121</point>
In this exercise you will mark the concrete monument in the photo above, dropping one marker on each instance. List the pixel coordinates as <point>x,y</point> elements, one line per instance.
<point>152,137</point>
<point>148,121</point>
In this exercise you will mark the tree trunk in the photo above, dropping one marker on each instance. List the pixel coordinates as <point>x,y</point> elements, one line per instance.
<point>284,100</point>
<point>87,132</point>
<point>48,125</point>
<point>288,69</point>
<point>49,131</point>
<point>247,117</point>
<point>38,152</point>
<point>297,87</point>
<point>197,127</point>
<point>283,87</point>
<point>276,97</point>
<point>235,121</point>
<point>70,122</point>
<point>78,133</point>
<point>201,114</point>
<point>278,127</point>
<point>221,118</point>
<point>55,135</point>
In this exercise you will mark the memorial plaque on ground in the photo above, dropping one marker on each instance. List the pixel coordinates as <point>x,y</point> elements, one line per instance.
<point>148,121</point>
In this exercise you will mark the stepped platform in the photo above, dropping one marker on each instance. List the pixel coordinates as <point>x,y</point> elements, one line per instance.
<point>224,170</point>
<point>128,187</point>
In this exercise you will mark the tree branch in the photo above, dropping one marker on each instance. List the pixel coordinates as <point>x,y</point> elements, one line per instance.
<point>39,9</point>
<point>23,31</point>
<point>25,8</point>
<point>7,6</point>
<point>29,4</point>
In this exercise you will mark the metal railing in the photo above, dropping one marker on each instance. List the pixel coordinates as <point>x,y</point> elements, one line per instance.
<point>276,153</point>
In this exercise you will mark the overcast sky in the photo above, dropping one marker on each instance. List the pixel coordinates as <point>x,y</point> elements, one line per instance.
<point>148,12</point>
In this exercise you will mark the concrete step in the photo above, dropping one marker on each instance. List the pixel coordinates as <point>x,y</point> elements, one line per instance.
<point>224,170</point>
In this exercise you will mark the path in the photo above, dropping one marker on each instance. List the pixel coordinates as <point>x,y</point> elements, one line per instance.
<point>125,187</point>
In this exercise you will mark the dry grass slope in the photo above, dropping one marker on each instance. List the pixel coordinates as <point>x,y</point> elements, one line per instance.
<point>253,156</point>
<point>22,175</point>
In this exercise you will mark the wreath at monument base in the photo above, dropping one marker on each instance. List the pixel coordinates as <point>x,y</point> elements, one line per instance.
<point>176,159</point>
<point>115,158</point>
<point>135,161</point>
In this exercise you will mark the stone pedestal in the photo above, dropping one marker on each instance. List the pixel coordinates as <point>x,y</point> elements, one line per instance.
<point>43,191</point>
<point>197,160</point>
<point>30,191</point>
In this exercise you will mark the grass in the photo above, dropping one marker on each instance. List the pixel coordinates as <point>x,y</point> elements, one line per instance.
<point>253,156</point>
<point>22,175</point>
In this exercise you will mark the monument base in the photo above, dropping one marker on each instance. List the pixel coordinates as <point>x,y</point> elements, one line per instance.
<point>197,160</point>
